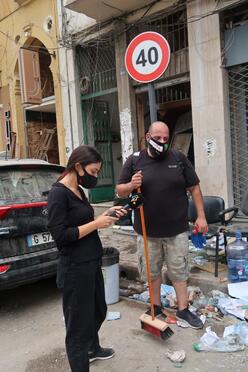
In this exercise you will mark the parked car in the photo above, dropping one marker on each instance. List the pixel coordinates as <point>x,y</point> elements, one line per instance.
<point>27,250</point>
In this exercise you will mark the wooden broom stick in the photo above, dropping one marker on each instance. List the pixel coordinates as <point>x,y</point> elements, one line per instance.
<point>143,227</point>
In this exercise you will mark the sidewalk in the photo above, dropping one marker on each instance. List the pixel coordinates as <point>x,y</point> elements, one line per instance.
<point>137,350</point>
<point>125,242</point>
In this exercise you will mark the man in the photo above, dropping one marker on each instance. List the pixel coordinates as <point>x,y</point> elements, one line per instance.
<point>165,177</point>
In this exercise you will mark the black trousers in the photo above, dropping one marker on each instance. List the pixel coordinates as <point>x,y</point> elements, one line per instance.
<point>84,309</point>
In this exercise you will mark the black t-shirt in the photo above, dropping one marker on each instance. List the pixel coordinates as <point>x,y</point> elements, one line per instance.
<point>65,213</point>
<point>164,187</point>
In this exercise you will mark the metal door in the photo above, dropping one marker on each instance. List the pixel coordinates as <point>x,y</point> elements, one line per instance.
<point>97,132</point>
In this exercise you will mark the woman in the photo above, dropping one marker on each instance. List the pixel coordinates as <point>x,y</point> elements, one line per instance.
<point>79,276</point>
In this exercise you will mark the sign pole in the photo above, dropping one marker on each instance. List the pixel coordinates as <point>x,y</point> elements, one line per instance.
<point>152,103</point>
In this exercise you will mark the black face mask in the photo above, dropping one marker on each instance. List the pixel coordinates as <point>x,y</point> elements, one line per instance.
<point>87,180</point>
<point>157,149</point>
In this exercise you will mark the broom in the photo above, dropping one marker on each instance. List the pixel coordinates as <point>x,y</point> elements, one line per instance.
<point>154,326</point>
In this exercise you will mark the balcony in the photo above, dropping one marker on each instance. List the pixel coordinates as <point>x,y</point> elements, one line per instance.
<point>101,10</point>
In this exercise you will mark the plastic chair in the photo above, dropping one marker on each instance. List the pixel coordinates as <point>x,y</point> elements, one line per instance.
<point>216,216</point>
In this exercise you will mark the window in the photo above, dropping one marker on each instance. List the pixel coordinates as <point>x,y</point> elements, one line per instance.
<point>22,186</point>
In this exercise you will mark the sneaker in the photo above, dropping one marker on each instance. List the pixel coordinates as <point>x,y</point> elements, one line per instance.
<point>157,311</point>
<point>189,318</point>
<point>101,354</point>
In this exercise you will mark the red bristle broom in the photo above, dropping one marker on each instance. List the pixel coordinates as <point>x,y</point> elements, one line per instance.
<point>154,326</point>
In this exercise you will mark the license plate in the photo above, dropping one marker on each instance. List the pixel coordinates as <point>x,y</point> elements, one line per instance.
<point>40,238</point>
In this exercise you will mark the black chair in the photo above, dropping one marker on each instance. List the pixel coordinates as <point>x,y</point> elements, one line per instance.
<point>241,221</point>
<point>244,204</point>
<point>216,216</point>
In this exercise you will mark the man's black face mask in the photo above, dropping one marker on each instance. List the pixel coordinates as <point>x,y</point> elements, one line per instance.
<point>157,149</point>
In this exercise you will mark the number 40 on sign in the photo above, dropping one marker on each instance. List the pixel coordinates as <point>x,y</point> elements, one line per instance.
<point>147,57</point>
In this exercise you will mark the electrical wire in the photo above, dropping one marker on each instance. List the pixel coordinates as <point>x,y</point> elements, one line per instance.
<point>65,42</point>
<point>32,47</point>
<point>80,37</point>
<point>4,50</point>
<point>189,20</point>
<point>14,11</point>
<point>93,80</point>
<point>95,69</point>
<point>199,17</point>
<point>100,41</point>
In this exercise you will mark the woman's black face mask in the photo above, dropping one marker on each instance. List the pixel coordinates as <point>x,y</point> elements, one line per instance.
<point>157,149</point>
<point>87,180</point>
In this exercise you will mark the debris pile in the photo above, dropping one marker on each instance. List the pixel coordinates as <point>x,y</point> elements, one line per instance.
<point>217,309</point>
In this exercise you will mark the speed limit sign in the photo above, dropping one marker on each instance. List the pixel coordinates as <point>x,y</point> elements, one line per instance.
<point>147,57</point>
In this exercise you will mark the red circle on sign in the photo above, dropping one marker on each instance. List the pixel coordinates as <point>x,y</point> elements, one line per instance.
<point>165,48</point>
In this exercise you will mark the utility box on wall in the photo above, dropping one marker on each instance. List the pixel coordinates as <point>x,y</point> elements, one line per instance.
<point>29,66</point>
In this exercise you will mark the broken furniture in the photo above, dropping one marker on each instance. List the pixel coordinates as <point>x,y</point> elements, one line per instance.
<point>44,145</point>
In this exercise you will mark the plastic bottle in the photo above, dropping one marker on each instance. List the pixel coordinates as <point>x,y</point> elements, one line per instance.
<point>211,342</point>
<point>237,259</point>
<point>240,329</point>
<point>224,345</point>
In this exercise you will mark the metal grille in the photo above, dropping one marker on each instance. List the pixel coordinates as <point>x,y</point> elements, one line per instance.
<point>238,95</point>
<point>96,64</point>
<point>172,26</point>
<point>102,142</point>
<point>174,93</point>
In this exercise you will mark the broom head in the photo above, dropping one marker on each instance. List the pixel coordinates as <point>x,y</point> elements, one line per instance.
<point>156,327</point>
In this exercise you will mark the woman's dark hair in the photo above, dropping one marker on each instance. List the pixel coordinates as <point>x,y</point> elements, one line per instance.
<point>84,155</point>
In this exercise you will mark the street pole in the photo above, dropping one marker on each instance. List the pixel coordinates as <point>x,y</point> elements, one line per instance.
<point>152,103</point>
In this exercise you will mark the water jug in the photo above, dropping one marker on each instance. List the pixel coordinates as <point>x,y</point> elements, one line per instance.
<point>237,259</point>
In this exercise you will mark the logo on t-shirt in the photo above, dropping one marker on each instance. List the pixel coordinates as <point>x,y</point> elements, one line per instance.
<point>172,166</point>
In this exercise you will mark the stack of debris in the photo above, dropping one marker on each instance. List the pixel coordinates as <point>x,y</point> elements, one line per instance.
<point>225,314</point>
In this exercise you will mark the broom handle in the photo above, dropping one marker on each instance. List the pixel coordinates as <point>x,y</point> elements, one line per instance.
<point>143,227</point>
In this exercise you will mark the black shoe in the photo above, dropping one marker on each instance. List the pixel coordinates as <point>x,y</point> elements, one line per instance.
<point>157,311</point>
<point>189,318</point>
<point>101,354</point>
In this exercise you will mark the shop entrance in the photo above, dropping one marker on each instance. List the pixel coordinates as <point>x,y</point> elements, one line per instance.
<point>174,109</point>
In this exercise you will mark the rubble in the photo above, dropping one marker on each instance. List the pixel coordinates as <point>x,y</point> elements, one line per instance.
<point>176,356</point>
<point>215,308</point>
<point>211,342</point>
<point>207,295</point>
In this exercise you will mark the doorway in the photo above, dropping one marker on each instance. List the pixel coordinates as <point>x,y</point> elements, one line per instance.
<point>102,130</point>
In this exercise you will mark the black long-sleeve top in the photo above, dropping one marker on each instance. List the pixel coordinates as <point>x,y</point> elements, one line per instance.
<point>66,212</point>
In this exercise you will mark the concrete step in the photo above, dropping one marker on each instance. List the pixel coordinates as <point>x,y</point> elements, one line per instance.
<point>207,281</point>
<point>125,242</point>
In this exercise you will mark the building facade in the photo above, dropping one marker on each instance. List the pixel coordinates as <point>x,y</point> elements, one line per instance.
<point>30,96</point>
<point>196,96</point>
